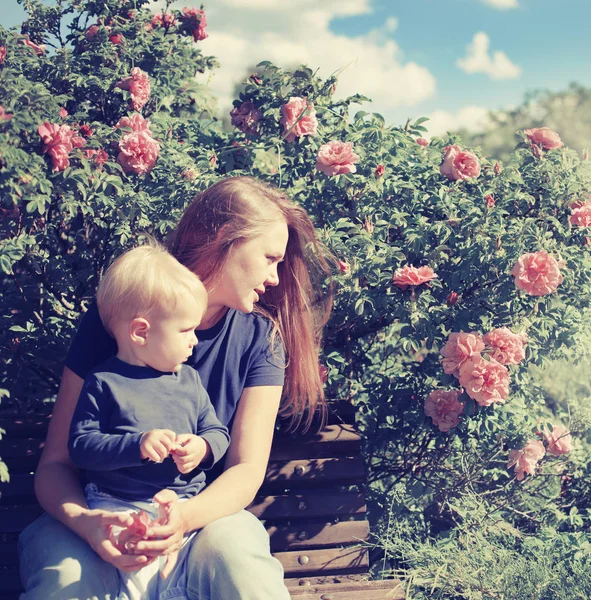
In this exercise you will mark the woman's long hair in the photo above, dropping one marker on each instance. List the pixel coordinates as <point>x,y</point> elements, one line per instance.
<point>237,209</point>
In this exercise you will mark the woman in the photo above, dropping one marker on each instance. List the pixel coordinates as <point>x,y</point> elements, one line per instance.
<point>258,256</point>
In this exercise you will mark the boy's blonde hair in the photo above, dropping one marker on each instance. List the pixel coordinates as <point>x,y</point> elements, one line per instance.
<point>144,280</point>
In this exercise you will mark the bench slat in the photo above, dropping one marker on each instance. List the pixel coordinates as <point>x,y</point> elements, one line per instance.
<point>344,470</point>
<point>343,560</point>
<point>309,535</point>
<point>335,440</point>
<point>312,504</point>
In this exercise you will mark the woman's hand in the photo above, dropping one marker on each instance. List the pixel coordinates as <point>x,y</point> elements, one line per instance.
<point>94,527</point>
<point>165,540</point>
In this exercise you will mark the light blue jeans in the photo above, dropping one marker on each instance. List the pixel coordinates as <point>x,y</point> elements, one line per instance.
<point>229,559</point>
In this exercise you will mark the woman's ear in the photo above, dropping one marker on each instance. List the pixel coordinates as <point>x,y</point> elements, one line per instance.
<point>138,331</point>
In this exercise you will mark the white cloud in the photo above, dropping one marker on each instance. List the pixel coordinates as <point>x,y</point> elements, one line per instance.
<point>471,118</point>
<point>478,60</point>
<point>502,4</point>
<point>293,32</point>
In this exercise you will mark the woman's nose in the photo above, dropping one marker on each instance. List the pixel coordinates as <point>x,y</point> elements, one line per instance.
<point>273,278</point>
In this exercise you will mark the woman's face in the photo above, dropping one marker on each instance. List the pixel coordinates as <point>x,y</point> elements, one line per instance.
<point>250,269</point>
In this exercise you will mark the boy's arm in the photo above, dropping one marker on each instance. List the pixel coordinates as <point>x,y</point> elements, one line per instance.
<point>212,431</point>
<point>91,448</point>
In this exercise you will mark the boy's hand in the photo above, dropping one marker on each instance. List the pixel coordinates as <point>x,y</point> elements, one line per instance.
<point>189,452</point>
<point>156,444</point>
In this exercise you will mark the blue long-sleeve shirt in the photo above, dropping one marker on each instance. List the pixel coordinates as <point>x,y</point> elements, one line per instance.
<point>118,403</point>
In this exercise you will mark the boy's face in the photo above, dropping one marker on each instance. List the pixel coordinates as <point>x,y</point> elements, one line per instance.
<point>171,337</point>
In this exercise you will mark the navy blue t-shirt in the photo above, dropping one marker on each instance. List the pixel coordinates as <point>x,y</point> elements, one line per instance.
<point>117,404</point>
<point>234,354</point>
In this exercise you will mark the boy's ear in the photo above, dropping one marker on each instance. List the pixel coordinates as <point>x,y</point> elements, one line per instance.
<point>138,331</point>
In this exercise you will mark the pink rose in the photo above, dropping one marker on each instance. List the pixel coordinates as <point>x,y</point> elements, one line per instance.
<point>135,123</point>
<point>91,32</point>
<point>99,157</point>
<point>138,152</point>
<point>459,348</point>
<point>197,21</point>
<point>298,118</point>
<point>58,142</point>
<point>38,48</point>
<point>489,201</point>
<point>63,113</point>
<point>581,214</point>
<point>485,381</point>
<point>116,39</point>
<point>526,459</point>
<point>559,441</point>
<point>4,116</point>
<point>459,164</point>
<point>2,54</point>
<point>336,158</point>
<point>409,275</point>
<point>549,139</point>
<point>507,347</point>
<point>138,85</point>
<point>422,142</point>
<point>163,20</point>
<point>537,273</point>
<point>246,117</point>
<point>444,408</point>
<point>85,130</point>
<point>379,172</point>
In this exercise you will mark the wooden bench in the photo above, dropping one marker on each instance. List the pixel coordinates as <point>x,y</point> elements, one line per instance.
<point>312,503</point>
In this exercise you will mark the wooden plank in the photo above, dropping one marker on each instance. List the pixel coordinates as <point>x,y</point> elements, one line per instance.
<point>19,447</point>
<point>13,519</point>
<point>335,440</point>
<point>314,534</point>
<point>310,472</point>
<point>20,487</point>
<point>19,426</point>
<point>311,504</point>
<point>370,590</point>
<point>343,560</point>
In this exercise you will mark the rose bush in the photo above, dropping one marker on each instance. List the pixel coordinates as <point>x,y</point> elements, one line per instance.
<point>456,275</point>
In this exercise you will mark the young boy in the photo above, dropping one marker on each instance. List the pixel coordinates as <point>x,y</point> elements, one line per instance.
<point>144,421</point>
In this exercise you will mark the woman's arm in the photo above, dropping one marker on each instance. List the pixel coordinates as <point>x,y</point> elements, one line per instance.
<point>236,487</point>
<point>58,488</point>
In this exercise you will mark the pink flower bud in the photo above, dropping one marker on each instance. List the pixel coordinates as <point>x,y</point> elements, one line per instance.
<point>497,168</point>
<point>452,298</point>
<point>489,201</point>
<point>63,113</point>
<point>344,266</point>
<point>379,172</point>
<point>116,38</point>
<point>422,142</point>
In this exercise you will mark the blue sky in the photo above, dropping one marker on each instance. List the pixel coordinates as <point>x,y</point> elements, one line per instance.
<point>404,53</point>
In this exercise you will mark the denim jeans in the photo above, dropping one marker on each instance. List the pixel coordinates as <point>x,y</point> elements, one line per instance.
<point>229,559</point>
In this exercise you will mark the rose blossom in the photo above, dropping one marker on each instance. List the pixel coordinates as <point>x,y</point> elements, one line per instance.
<point>409,275</point>
<point>507,347</point>
<point>526,459</point>
<point>336,158</point>
<point>549,139</point>
<point>197,22</point>
<point>485,381</point>
<point>459,164</point>
<point>38,48</point>
<point>2,54</point>
<point>460,347</point>
<point>58,142</point>
<point>444,408</point>
<point>422,142</point>
<point>246,117</point>
<point>344,266</point>
<point>293,125</point>
<point>581,214</point>
<point>138,85</point>
<point>537,273</point>
<point>489,200</point>
<point>559,441</point>
<point>91,32</point>
<point>138,152</point>
<point>4,116</point>
<point>163,20</point>
<point>116,39</point>
<point>379,172</point>
<point>135,123</point>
